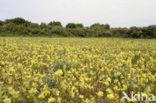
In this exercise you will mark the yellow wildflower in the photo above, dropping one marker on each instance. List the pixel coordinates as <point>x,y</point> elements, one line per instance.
<point>100,93</point>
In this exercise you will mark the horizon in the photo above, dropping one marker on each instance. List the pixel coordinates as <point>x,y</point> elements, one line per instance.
<point>116,13</point>
<point>75,23</point>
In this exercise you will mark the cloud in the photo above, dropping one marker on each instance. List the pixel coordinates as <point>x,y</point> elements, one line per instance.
<point>115,12</point>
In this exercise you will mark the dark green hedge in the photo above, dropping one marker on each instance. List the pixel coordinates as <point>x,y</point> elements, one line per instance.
<point>22,27</point>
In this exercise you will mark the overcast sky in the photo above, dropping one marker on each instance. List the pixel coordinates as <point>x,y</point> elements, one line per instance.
<point>123,13</point>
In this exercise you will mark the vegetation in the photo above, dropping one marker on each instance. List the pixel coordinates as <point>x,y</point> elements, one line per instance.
<point>22,27</point>
<point>75,70</point>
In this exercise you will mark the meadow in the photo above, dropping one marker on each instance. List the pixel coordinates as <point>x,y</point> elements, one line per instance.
<point>75,70</point>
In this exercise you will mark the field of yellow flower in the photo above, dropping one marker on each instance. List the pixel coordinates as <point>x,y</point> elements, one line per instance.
<point>75,70</point>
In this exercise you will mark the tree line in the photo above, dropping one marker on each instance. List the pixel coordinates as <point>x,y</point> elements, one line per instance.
<point>21,27</point>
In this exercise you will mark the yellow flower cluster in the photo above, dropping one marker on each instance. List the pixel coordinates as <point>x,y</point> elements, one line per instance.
<point>75,70</point>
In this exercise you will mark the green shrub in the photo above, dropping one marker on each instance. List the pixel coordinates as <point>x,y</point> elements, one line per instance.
<point>55,23</point>
<point>17,21</point>
<point>71,25</point>
<point>43,25</point>
<point>1,23</point>
<point>55,28</point>
<point>60,31</point>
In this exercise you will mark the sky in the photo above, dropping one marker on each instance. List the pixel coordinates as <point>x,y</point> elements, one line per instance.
<point>117,13</point>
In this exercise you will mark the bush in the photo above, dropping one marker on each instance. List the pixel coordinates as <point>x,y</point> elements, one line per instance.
<point>24,27</point>
<point>101,26</point>
<point>43,25</point>
<point>17,21</point>
<point>135,32</point>
<point>1,23</point>
<point>71,25</point>
<point>36,31</point>
<point>59,31</point>
<point>107,26</point>
<point>78,32</point>
<point>34,25</point>
<point>119,32</point>
<point>55,23</point>
<point>9,28</point>
<point>79,25</point>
